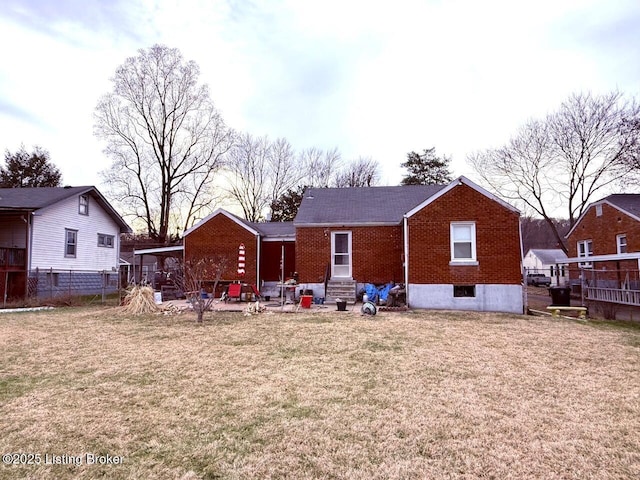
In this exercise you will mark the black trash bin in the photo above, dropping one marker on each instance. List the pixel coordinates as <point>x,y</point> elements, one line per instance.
<point>560,296</point>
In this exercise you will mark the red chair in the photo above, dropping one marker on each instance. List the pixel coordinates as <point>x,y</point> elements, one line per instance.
<point>234,291</point>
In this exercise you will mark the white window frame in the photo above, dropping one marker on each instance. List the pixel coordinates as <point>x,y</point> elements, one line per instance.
<point>599,210</point>
<point>466,260</point>
<point>587,251</point>
<point>620,245</point>
<point>67,243</point>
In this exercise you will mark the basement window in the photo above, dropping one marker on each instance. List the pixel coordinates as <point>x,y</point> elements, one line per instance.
<point>464,290</point>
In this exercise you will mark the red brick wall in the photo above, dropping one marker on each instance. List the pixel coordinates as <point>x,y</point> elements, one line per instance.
<point>270,256</point>
<point>222,236</point>
<point>497,241</point>
<point>377,253</point>
<point>602,231</point>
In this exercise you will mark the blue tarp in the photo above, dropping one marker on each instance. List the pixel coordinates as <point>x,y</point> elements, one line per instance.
<point>377,293</point>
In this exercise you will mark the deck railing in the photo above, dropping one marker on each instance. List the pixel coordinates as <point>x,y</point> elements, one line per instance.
<point>614,295</point>
<point>13,258</point>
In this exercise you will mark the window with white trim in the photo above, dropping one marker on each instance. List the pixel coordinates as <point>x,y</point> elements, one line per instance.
<point>71,242</point>
<point>463,242</point>
<point>585,249</point>
<point>621,242</point>
<point>105,240</point>
<point>83,206</point>
<point>599,210</point>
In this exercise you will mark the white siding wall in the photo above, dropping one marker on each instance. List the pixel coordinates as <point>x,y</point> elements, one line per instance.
<point>48,244</point>
<point>489,298</point>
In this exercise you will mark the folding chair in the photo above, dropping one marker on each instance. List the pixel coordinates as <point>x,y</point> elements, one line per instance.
<point>234,290</point>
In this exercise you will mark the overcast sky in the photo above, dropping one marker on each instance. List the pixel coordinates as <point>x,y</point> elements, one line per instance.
<point>376,79</point>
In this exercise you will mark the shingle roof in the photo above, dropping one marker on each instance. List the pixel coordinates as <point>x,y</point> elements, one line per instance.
<point>275,229</point>
<point>365,205</point>
<point>629,202</point>
<point>550,255</point>
<point>35,198</point>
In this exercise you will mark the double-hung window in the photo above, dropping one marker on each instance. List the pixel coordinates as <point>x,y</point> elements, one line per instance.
<point>463,242</point>
<point>585,249</point>
<point>83,206</point>
<point>621,241</point>
<point>71,242</point>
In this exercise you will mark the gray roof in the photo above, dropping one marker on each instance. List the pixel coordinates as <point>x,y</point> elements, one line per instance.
<point>364,205</point>
<point>35,198</point>
<point>548,256</point>
<point>629,202</point>
<point>275,229</point>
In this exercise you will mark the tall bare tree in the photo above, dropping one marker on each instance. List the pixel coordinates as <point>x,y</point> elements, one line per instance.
<point>565,160</point>
<point>363,172</point>
<point>165,137</point>
<point>320,166</point>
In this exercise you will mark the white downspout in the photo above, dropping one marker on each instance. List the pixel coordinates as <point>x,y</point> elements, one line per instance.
<point>406,258</point>
<point>258,286</point>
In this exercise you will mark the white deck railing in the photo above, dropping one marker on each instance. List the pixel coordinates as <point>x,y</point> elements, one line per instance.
<point>614,295</point>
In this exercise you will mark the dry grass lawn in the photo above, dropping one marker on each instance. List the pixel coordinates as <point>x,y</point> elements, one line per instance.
<point>332,395</point>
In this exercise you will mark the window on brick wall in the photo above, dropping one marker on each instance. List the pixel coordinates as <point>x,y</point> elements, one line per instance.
<point>599,210</point>
<point>585,249</point>
<point>463,242</point>
<point>621,241</point>
<point>464,290</point>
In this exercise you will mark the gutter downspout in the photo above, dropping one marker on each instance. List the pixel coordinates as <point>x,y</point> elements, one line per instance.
<point>406,257</point>
<point>258,286</point>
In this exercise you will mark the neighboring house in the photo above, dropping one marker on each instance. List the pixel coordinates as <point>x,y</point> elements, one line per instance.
<point>605,241</point>
<point>58,240</point>
<point>455,246</point>
<point>551,262</point>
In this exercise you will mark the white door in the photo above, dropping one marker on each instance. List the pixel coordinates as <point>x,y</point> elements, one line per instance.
<point>341,254</point>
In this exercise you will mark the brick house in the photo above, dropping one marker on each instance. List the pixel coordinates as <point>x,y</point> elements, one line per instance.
<point>455,246</point>
<point>605,240</point>
<point>221,234</point>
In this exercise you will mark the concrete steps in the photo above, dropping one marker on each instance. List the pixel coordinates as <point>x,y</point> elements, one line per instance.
<point>343,289</point>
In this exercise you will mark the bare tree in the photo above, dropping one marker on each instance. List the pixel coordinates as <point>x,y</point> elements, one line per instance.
<point>165,137</point>
<point>194,275</point>
<point>260,171</point>
<point>563,161</point>
<point>320,167</point>
<point>363,172</point>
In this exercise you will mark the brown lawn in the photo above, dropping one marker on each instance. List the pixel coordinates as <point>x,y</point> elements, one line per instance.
<point>332,395</point>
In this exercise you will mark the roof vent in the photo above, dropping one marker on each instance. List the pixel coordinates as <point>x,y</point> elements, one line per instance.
<point>67,187</point>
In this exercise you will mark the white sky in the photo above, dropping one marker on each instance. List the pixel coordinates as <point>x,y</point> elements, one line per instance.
<point>372,78</point>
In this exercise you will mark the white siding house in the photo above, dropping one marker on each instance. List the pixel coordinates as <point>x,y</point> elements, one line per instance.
<point>538,260</point>
<point>68,238</point>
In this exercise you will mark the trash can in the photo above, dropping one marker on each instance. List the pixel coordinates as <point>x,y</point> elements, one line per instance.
<point>342,306</point>
<point>560,296</point>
